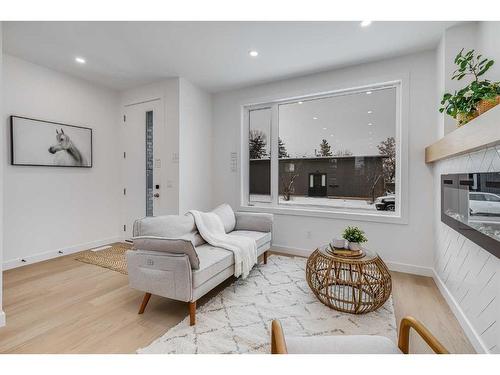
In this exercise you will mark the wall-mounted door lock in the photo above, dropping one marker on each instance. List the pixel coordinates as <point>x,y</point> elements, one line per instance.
<point>157,195</point>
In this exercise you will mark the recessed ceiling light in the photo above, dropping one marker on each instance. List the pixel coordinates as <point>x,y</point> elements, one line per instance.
<point>368,93</point>
<point>253,53</point>
<point>300,102</point>
<point>315,118</point>
<point>80,60</point>
<point>324,128</point>
<point>365,23</point>
<point>370,124</point>
<point>331,135</point>
<point>370,111</point>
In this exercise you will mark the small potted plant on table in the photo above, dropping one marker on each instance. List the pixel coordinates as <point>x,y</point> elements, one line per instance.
<point>355,237</point>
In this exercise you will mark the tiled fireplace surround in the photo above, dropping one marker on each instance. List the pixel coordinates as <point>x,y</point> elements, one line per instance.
<point>468,275</point>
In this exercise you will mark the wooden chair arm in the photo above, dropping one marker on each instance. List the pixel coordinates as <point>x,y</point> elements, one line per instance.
<point>404,336</point>
<point>278,344</point>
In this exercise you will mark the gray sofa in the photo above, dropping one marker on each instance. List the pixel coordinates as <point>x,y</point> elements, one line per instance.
<point>170,258</point>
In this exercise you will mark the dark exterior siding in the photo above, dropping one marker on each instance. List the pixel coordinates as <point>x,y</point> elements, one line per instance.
<point>260,176</point>
<point>351,177</point>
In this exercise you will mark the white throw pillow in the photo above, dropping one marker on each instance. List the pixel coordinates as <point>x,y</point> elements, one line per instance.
<point>226,214</point>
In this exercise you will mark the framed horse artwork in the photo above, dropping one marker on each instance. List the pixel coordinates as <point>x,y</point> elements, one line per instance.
<point>49,144</point>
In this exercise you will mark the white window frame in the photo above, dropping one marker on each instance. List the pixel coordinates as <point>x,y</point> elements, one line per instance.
<point>400,215</point>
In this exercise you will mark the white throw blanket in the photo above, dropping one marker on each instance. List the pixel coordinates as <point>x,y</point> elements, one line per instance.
<point>212,230</point>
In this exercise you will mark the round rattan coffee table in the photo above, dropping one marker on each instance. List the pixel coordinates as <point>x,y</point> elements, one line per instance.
<point>347,284</point>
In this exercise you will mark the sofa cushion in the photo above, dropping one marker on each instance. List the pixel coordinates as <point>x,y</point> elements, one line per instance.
<point>169,226</point>
<point>226,214</point>
<point>174,246</point>
<point>260,237</point>
<point>215,259</point>
<point>356,344</point>
<point>212,261</point>
<point>256,221</point>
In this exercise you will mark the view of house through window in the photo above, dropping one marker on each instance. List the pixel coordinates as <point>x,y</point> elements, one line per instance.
<point>337,151</point>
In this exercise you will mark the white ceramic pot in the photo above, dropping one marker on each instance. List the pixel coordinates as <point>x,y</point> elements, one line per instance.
<point>339,243</point>
<point>354,246</point>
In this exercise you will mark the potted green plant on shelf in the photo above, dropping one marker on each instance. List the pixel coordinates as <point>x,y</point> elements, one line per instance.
<point>355,237</point>
<point>477,97</point>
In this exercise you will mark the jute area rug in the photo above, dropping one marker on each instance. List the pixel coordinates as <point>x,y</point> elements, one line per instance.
<point>112,257</point>
<point>238,319</point>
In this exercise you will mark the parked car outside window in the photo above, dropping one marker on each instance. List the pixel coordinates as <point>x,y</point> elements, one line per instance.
<point>484,203</point>
<point>386,203</point>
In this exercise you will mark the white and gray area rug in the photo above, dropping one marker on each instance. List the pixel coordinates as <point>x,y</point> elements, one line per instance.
<point>238,319</point>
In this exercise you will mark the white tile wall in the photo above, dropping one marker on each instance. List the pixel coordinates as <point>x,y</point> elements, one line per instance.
<point>471,274</point>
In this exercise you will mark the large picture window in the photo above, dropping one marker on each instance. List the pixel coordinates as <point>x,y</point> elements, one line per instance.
<point>329,152</point>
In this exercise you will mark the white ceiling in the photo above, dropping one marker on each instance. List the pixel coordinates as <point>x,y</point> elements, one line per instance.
<point>214,55</point>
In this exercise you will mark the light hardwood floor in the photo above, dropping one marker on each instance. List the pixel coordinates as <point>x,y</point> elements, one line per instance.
<point>419,297</point>
<point>65,306</point>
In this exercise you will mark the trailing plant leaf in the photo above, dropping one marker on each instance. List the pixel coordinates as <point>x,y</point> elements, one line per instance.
<point>485,69</point>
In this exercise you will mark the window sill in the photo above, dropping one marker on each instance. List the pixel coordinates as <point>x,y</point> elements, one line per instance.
<point>377,216</point>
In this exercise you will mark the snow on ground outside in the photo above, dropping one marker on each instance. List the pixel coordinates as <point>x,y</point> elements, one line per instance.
<point>318,201</point>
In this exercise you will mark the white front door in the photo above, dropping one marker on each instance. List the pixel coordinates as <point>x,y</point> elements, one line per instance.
<point>142,191</point>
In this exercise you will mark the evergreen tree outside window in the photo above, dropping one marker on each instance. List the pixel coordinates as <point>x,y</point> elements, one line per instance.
<point>257,144</point>
<point>283,153</point>
<point>324,148</point>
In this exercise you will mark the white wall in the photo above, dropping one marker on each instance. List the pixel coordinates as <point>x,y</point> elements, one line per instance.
<point>399,244</point>
<point>2,155</point>
<point>49,209</point>
<point>167,91</point>
<point>440,85</point>
<point>488,46</point>
<point>195,148</point>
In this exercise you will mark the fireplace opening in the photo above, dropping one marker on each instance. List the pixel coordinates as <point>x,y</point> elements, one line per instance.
<point>470,204</point>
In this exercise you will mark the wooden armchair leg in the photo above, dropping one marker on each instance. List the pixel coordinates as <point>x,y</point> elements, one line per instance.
<point>278,344</point>
<point>265,257</point>
<point>192,313</point>
<point>145,301</point>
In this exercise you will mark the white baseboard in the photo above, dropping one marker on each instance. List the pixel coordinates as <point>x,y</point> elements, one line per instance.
<point>393,266</point>
<point>2,318</point>
<point>466,325</point>
<point>291,250</point>
<point>410,268</point>
<point>19,262</point>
